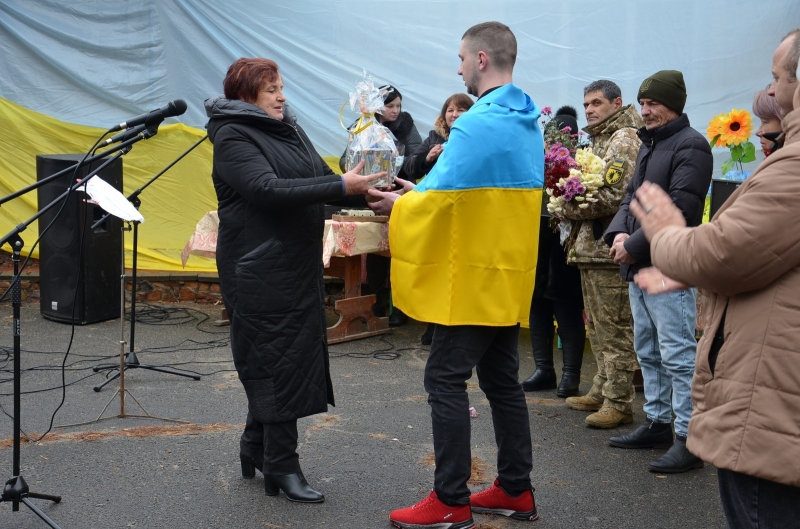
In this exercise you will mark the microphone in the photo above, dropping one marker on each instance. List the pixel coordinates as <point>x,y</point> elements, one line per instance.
<point>154,117</point>
<point>125,135</point>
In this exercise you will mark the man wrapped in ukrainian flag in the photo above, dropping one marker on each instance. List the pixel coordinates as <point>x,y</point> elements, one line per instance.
<point>464,247</point>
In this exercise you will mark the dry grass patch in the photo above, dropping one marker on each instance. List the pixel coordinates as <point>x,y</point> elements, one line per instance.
<point>140,432</point>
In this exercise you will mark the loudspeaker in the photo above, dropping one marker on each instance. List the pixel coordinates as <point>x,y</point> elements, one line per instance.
<point>720,191</point>
<point>94,266</point>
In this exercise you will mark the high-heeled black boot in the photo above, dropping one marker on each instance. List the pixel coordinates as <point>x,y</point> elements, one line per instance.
<point>249,466</point>
<point>545,375</point>
<point>294,486</point>
<point>572,344</point>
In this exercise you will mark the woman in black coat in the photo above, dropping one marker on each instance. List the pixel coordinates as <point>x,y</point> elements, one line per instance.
<point>408,139</point>
<point>271,185</point>
<point>419,162</point>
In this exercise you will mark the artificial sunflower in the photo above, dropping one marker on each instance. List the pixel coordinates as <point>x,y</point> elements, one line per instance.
<point>736,128</point>
<point>715,129</point>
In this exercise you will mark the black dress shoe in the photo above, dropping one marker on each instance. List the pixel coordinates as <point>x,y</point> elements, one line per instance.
<point>677,459</point>
<point>397,318</point>
<point>540,379</point>
<point>294,486</point>
<point>648,435</point>
<point>569,385</point>
<point>249,466</point>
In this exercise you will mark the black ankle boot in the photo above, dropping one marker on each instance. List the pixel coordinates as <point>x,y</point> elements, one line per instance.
<point>677,459</point>
<point>427,336</point>
<point>249,466</point>
<point>294,486</point>
<point>648,435</point>
<point>570,385</point>
<point>397,318</point>
<point>572,343</point>
<point>541,379</point>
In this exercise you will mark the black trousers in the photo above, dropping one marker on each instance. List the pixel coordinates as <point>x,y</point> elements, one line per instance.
<point>275,443</point>
<point>571,329</point>
<point>755,503</point>
<point>455,351</point>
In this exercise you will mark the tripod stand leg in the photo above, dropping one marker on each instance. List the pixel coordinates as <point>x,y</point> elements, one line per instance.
<point>38,512</point>
<point>169,370</point>
<point>49,497</point>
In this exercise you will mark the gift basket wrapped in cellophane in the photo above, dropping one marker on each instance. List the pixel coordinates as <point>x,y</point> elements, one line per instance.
<point>369,140</point>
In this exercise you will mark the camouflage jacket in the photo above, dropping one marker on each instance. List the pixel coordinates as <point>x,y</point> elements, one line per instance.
<point>615,141</point>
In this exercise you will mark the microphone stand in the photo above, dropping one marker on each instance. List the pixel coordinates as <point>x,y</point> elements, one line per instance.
<point>16,489</point>
<point>131,360</point>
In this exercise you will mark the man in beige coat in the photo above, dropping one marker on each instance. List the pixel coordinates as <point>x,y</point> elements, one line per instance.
<point>746,388</point>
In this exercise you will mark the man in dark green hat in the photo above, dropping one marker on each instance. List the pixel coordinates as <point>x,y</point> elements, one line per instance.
<point>678,159</point>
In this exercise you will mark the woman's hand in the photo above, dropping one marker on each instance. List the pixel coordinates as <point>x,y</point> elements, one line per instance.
<point>654,210</point>
<point>653,281</point>
<point>405,186</point>
<point>357,184</point>
<point>434,153</point>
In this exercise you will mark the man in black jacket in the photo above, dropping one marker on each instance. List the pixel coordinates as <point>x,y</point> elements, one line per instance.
<point>678,159</point>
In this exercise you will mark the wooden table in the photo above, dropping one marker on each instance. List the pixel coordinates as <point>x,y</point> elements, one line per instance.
<point>343,245</point>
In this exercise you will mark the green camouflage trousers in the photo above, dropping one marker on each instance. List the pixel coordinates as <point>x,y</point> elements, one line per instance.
<point>605,297</point>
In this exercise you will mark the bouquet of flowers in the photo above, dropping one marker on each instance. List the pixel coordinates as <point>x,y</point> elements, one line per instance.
<point>578,178</point>
<point>732,130</point>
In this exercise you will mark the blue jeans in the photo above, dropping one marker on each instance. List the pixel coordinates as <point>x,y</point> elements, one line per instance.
<point>755,503</point>
<point>663,336</point>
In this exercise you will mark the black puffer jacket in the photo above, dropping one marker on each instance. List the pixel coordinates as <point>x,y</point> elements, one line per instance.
<point>677,158</point>
<point>405,132</point>
<point>271,185</point>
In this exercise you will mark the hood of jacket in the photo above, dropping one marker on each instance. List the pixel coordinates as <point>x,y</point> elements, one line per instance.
<point>441,128</point>
<point>221,111</point>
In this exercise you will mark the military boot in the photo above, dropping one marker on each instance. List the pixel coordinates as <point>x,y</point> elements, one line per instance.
<point>609,417</point>
<point>585,403</point>
<point>573,342</point>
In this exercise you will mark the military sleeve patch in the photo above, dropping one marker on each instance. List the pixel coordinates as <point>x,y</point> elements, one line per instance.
<point>615,171</point>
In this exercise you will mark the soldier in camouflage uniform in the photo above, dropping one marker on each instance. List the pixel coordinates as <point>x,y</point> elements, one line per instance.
<point>612,128</point>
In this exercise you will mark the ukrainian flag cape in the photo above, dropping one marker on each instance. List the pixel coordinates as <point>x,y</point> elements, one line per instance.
<point>464,241</point>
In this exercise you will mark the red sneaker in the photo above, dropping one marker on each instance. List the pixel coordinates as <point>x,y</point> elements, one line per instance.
<point>495,500</point>
<point>430,513</point>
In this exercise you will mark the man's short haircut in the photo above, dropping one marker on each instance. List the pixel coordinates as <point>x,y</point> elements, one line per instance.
<point>610,89</point>
<point>793,56</point>
<point>496,40</point>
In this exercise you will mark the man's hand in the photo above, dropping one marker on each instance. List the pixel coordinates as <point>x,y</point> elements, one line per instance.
<point>654,210</point>
<point>381,202</point>
<point>618,251</point>
<point>653,281</point>
<point>357,184</point>
<point>434,153</point>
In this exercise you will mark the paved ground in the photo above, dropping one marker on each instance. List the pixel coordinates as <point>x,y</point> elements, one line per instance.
<point>369,455</point>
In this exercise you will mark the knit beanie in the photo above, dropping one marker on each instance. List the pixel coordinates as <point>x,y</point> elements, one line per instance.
<point>666,87</point>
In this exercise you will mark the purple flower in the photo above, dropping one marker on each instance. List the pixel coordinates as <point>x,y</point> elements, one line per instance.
<point>573,187</point>
<point>547,111</point>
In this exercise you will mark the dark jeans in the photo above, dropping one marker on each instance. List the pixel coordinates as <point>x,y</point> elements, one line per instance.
<point>571,329</point>
<point>493,351</point>
<point>276,443</point>
<point>755,503</point>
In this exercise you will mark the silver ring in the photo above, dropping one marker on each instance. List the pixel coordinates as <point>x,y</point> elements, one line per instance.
<point>648,209</point>
<point>663,284</point>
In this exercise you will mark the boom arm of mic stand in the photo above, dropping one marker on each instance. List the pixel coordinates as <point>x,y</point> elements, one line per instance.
<point>122,148</point>
<point>87,161</point>
<point>133,198</point>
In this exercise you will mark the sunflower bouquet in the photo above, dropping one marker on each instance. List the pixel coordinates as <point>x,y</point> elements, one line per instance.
<point>583,177</point>
<point>732,130</point>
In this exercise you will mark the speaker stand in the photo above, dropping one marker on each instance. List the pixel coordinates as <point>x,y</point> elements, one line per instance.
<point>130,360</point>
<point>123,362</point>
<point>16,490</point>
